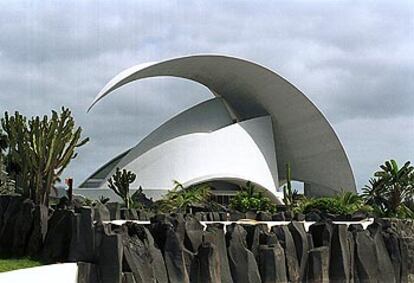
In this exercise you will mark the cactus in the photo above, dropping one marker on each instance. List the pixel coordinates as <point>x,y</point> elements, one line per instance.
<point>119,183</point>
<point>6,184</point>
<point>18,162</point>
<point>287,189</point>
<point>40,149</point>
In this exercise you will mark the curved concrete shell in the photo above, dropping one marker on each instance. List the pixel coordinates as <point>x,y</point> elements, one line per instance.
<point>300,134</point>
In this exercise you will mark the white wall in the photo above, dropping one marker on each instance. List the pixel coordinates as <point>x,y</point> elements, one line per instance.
<point>243,151</point>
<point>53,273</point>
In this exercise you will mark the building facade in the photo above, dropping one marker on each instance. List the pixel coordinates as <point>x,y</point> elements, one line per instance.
<point>256,123</point>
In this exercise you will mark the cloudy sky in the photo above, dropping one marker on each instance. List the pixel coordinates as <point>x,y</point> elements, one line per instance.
<point>353,59</point>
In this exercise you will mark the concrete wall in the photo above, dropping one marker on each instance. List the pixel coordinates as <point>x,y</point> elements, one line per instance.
<point>53,273</point>
<point>243,151</point>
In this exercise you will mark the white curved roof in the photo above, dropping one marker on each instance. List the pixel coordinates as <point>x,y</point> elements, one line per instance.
<point>302,136</point>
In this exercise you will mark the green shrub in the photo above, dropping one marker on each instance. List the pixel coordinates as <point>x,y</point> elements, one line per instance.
<point>180,199</point>
<point>344,203</point>
<point>248,199</point>
<point>326,204</point>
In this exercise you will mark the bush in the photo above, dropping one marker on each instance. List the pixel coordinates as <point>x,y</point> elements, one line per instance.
<point>251,200</point>
<point>345,203</point>
<point>328,205</point>
<point>181,199</point>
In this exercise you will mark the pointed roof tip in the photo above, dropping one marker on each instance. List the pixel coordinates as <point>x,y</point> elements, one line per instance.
<point>92,105</point>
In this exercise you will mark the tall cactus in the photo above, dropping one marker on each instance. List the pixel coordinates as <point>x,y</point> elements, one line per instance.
<point>287,189</point>
<point>18,161</point>
<point>119,183</point>
<point>40,149</point>
<point>6,185</point>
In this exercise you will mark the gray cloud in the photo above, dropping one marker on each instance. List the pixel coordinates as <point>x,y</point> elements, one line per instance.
<point>354,59</point>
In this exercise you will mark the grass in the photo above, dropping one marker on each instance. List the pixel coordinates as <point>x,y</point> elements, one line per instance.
<point>17,263</point>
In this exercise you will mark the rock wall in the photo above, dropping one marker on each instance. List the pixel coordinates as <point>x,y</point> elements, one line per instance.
<point>176,248</point>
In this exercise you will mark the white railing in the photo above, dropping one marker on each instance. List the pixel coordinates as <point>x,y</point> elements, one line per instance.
<point>365,223</point>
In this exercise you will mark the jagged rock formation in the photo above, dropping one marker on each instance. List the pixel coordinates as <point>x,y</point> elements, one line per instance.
<point>177,248</point>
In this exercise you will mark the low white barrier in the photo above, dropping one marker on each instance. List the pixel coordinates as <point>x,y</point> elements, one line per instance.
<point>53,273</point>
<point>365,223</point>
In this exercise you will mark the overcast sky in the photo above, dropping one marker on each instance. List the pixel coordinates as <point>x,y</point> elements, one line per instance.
<point>353,59</point>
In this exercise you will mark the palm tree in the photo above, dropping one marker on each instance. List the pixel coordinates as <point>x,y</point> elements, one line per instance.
<point>373,194</point>
<point>391,188</point>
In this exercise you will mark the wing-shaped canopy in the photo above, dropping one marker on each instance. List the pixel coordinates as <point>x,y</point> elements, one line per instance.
<point>302,135</point>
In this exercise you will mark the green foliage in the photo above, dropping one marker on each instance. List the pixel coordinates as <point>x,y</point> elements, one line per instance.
<point>180,199</point>
<point>17,263</point>
<point>344,203</point>
<point>39,149</point>
<point>249,199</point>
<point>391,190</point>
<point>119,183</point>
<point>6,184</point>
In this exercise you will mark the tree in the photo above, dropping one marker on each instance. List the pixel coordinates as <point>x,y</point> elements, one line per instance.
<point>391,189</point>
<point>119,183</point>
<point>39,150</point>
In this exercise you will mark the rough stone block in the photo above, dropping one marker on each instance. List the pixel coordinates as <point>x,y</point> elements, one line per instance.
<point>366,262</point>
<point>264,216</point>
<point>87,273</point>
<point>272,264</point>
<point>82,246</point>
<point>279,216</point>
<point>128,277</point>
<point>58,238</point>
<point>340,268</point>
<point>286,240</point>
<point>243,265</point>
<point>23,228</point>
<point>301,243</point>
<point>209,267</point>
<point>321,233</point>
<point>313,216</point>
<point>385,266</point>
<point>39,230</point>
<point>109,254</point>
<point>14,207</point>
<point>174,257</point>
<point>137,258</point>
<point>114,210</point>
<point>219,240</point>
<point>318,266</point>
